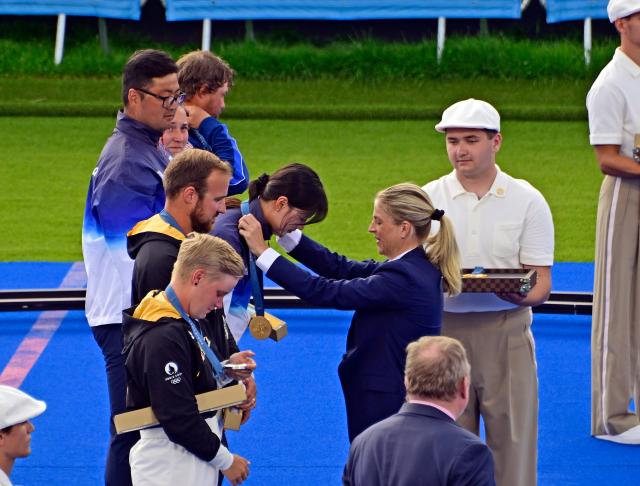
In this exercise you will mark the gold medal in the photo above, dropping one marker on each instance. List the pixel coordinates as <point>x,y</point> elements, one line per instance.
<point>260,327</point>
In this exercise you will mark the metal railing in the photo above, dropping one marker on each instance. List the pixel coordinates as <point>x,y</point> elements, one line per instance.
<point>573,303</point>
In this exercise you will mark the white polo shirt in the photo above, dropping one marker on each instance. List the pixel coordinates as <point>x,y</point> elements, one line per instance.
<point>614,104</point>
<point>510,226</point>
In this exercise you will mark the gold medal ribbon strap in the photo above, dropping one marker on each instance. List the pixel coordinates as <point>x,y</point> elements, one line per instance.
<point>259,325</point>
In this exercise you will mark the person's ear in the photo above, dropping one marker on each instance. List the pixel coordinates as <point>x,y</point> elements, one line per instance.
<point>133,96</point>
<point>463,387</point>
<point>190,195</point>
<point>281,202</point>
<point>496,142</point>
<point>202,90</point>
<point>405,229</point>
<point>197,276</point>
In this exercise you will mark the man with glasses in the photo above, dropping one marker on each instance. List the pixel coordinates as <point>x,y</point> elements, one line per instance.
<point>126,187</point>
<point>206,80</point>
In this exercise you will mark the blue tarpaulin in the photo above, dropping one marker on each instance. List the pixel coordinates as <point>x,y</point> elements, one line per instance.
<point>115,9</point>
<point>339,9</point>
<point>562,10</point>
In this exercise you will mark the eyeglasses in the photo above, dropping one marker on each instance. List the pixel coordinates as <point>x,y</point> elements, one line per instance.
<point>167,101</point>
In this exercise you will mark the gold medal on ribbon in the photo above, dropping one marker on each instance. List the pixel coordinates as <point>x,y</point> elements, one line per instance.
<point>260,327</point>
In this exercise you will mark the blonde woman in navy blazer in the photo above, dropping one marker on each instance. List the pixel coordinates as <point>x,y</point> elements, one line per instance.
<point>396,301</point>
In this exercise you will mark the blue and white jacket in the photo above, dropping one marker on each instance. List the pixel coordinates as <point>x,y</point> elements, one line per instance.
<point>126,187</point>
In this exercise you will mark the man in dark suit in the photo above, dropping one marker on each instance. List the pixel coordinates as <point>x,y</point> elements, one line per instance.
<point>422,444</point>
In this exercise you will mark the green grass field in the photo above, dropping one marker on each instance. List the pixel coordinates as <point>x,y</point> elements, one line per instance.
<point>46,162</point>
<point>338,99</point>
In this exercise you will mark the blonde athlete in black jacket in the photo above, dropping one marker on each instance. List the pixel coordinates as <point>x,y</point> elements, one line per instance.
<point>166,367</point>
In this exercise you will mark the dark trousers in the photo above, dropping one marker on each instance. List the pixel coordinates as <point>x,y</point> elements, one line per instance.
<point>109,338</point>
<point>366,407</point>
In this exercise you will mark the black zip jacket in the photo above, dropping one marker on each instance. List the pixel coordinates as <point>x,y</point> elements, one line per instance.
<point>165,370</point>
<point>154,245</point>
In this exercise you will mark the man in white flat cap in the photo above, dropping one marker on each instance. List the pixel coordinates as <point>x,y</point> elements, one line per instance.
<point>16,411</point>
<point>500,222</point>
<point>614,131</point>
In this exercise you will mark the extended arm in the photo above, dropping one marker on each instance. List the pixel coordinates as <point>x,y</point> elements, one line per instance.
<point>386,288</point>
<point>315,256</point>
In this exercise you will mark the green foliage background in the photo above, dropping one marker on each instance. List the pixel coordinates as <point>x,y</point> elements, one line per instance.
<point>46,163</point>
<point>361,113</point>
<point>358,60</point>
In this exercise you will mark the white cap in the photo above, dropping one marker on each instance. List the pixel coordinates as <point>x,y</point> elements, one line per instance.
<point>17,407</point>
<point>618,9</point>
<point>470,113</point>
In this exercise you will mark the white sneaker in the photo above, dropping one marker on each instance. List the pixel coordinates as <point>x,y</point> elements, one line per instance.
<point>631,436</point>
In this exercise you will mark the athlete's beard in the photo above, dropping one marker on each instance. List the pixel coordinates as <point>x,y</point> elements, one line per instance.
<point>199,223</point>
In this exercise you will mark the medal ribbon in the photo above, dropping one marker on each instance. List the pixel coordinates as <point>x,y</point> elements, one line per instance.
<point>215,363</point>
<point>170,220</point>
<point>256,288</point>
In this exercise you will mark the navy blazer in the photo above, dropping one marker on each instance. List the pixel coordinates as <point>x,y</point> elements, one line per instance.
<point>418,446</point>
<point>395,303</point>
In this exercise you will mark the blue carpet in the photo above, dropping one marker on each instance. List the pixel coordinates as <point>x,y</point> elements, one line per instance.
<point>32,275</point>
<point>567,276</point>
<point>297,435</point>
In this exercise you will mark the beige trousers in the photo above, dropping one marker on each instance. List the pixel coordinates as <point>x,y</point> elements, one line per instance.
<point>615,333</point>
<point>504,388</point>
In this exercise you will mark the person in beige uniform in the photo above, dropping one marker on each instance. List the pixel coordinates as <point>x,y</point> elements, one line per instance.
<point>614,125</point>
<point>499,222</point>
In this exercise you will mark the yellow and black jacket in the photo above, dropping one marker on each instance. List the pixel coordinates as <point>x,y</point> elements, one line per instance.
<point>165,370</point>
<point>154,245</point>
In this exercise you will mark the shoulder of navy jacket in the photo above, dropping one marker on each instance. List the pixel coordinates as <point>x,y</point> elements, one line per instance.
<point>133,127</point>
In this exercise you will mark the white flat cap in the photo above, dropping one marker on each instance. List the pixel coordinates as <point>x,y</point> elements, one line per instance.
<point>470,113</point>
<point>618,9</point>
<point>17,407</point>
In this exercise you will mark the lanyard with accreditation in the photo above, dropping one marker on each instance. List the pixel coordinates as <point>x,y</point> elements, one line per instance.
<point>232,416</point>
<point>206,350</point>
<point>173,299</point>
<point>262,325</point>
<point>220,399</point>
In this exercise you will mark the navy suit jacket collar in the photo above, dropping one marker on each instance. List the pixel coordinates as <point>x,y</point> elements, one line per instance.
<point>425,410</point>
<point>418,251</point>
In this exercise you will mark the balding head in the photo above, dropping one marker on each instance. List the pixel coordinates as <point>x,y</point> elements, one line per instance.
<point>435,368</point>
